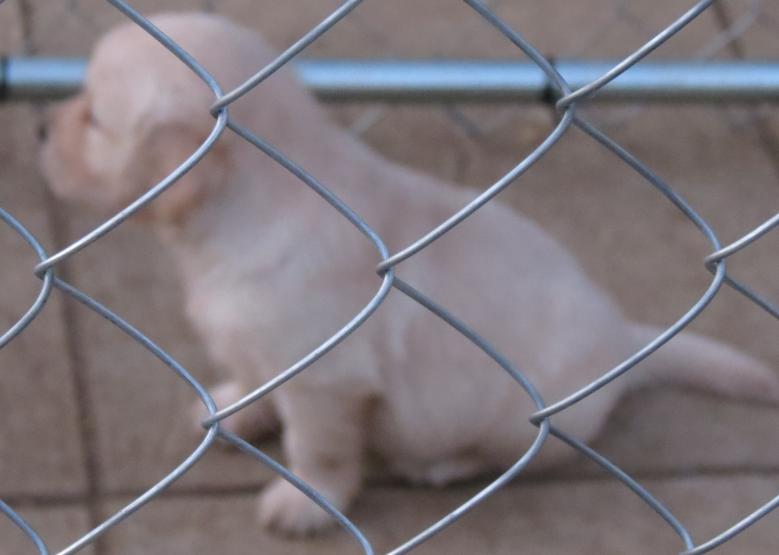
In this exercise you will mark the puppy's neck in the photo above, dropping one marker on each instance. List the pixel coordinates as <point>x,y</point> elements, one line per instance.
<point>237,214</point>
<point>262,207</point>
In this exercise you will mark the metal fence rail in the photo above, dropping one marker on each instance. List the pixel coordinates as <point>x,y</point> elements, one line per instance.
<point>569,95</point>
<point>457,80</point>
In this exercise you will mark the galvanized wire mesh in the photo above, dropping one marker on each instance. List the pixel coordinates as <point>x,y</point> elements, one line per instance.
<point>566,102</point>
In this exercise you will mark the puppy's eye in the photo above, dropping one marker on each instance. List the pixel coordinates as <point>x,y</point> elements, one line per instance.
<point>88,117</point>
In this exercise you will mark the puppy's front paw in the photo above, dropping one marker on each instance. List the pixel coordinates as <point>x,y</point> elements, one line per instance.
<point>285,509</point>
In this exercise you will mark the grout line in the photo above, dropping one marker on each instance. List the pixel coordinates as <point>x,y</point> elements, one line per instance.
<point>597,476</point>
<point>44,500</point>
<point>25,24</point>
<point>669,475</point>
<point>713,472</point>
<point>82,398</point>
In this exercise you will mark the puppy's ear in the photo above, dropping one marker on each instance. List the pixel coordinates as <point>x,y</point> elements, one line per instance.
<point>164,148</point>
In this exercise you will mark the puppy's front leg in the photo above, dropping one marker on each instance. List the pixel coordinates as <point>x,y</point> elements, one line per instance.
<point>323,441</point>
<point>255,421</point>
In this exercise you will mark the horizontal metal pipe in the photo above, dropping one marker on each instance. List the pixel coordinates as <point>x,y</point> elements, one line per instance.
<point>458,80</point>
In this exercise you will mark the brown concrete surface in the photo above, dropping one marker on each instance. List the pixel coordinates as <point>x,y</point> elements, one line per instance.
<point>92,419</point>
<point>40,447</point>
<point>56,524</point>
<point>581,517</point>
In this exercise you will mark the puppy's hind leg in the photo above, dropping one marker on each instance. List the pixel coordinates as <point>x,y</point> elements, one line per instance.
<point>256,421</point>
<point>454,469</point>
<point>323,442</point>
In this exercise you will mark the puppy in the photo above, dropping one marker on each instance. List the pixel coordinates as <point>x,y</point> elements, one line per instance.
<point>270,271</point>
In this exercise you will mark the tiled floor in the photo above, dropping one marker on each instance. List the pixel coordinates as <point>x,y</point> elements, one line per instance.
<point>88,419</point>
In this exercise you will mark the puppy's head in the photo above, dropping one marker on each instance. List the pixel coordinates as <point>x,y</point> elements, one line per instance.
<point>142,113</point>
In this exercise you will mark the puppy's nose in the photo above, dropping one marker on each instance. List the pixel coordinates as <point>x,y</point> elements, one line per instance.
<point>43,132</point>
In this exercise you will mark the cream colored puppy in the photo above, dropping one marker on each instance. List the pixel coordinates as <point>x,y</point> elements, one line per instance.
<point>270,271</point>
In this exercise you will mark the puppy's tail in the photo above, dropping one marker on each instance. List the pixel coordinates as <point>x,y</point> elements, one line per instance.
<point>691,360</point>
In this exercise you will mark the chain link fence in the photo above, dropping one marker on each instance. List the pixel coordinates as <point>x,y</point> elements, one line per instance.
<point>567,103</point>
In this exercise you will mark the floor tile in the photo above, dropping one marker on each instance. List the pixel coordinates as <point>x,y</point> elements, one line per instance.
<point>57,526</point>
<point>40,445</point>
<point>598,517</point>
